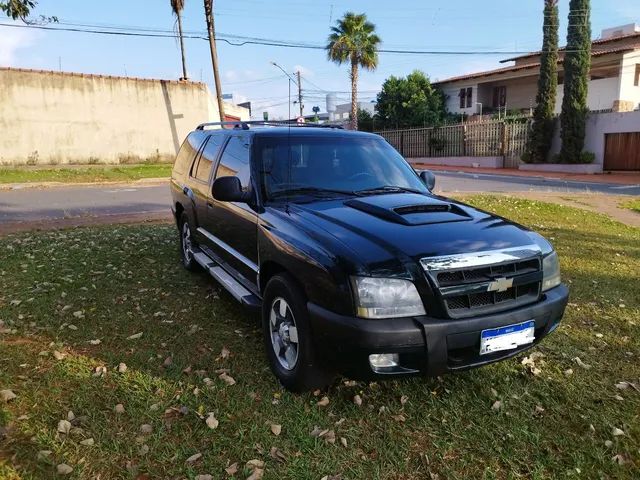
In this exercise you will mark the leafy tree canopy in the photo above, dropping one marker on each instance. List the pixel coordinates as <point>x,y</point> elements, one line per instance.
<point>410,102</point>
<point>21,9</point>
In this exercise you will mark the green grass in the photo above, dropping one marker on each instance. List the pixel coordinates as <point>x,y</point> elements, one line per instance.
<point>633,204</point>
<point>128,279</point>
<point>107,173</point>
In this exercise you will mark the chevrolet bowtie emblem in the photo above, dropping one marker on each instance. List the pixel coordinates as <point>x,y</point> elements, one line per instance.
<point>500,285</point>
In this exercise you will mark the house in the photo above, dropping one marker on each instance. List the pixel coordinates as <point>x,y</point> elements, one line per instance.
<point>614,83</point>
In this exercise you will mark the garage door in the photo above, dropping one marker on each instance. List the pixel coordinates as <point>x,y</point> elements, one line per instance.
<point>622,151</point>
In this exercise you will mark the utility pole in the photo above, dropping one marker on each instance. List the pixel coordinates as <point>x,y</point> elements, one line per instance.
<point>211,30</point>
<point>300,94</point>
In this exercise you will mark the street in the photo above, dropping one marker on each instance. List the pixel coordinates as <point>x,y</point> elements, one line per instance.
<point>28,205</point>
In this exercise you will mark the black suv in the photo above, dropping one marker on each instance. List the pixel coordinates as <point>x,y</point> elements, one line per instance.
<point>355,265</point>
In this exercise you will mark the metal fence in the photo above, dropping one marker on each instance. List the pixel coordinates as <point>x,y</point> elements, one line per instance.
<point>486,139</point>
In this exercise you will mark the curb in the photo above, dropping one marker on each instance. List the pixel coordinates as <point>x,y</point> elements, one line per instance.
<point>145,182</point>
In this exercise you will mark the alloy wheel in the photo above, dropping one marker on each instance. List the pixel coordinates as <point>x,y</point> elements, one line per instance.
<point>284,333</point>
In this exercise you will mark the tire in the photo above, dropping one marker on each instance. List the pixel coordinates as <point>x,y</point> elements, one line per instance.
<point>283,310</point>
<point>186,244</point>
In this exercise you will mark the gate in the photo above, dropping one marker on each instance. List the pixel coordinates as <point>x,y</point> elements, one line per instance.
<point>622,151</point>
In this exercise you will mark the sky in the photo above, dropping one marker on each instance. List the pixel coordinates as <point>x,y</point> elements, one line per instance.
<point>247,72</point>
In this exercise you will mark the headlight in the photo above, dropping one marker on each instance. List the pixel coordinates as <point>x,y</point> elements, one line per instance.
<point>386,298</point>
<point>550,271</point>
<point>550,263</point>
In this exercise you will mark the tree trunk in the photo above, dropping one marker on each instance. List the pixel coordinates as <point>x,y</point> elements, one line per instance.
<point>354,95</point>
<point>211,30</point>
<point>184,61</point>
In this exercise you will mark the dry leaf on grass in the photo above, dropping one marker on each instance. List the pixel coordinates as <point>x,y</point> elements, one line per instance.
<point>497,405</point>
<point>404,399</point>
<point>64,469</point>
<point>257,474</point>
<point>619,459</point>
<point>205,476</point>
<point>357,400</point>
<point>232,469</point>
<point>194,458</point>
<point>122,367</point>
<point>343,441</point>
<point>228,379</point>
<point>212,422</point>
<point>87,442</point>
<point>323,402</point>
<point>7,395</point>
<point>276,429</point>
<point>581,363</point>
<point>100,371</point>
<point>146,428</point>
<point>43,455</point>
<point>616,432</point>
<point>58,355</point>
<point>119,408</point>
<point>277,454</point>
<point>224,353</point>
<point>135,336</point>
<point>64,426</point>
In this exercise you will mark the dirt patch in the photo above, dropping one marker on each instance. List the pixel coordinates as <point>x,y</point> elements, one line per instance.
<point>63,223</point>
<point>607,204</point>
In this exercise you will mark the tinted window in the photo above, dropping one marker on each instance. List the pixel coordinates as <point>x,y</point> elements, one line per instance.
<point>346,163</point>
<point>208,157</point>
<point>235,161</point>
<point>187,152</point>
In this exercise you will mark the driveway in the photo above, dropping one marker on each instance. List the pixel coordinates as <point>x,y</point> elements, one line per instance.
<point>28,208</point>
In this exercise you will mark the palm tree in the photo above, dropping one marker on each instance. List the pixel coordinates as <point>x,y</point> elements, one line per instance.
<point>354,40</point>
<point>178,6</point>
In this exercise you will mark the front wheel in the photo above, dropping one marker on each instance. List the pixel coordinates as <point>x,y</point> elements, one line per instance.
<point>287,337</point>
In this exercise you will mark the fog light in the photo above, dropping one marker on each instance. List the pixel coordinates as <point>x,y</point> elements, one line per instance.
<point>384,360</point>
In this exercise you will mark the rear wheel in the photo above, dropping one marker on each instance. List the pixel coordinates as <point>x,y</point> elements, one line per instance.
<point>287,337</point>
<point>187,244</point>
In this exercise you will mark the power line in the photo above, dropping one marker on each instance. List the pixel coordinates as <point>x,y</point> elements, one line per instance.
<point>264,42</point>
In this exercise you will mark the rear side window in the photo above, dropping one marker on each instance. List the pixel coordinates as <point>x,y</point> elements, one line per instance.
<point>235,161</point>
<point>187,151</point>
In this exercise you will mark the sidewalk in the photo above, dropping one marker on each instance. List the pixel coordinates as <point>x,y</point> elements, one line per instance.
<point>619,178</point>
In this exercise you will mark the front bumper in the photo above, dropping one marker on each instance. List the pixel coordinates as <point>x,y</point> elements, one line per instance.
<point>427,346</point>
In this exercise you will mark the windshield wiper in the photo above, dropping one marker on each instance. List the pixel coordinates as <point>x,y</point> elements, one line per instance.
<point>387,189</point>
<point>314,191</point>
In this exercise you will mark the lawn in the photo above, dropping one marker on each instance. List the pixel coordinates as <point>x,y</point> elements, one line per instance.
<point>633,204</point>
<point>106,173</point>
<point>74,301</point>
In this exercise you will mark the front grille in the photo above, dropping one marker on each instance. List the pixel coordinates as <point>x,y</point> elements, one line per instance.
<point>446,279</point>
<point>465,292</point>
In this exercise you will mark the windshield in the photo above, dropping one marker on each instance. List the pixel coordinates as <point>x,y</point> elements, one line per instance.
<point>332,164</point>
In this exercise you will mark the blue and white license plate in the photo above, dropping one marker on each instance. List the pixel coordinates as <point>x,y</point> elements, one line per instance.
<point>507,338</point>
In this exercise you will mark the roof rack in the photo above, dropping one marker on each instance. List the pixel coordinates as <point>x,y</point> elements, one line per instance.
<point>245,125</point>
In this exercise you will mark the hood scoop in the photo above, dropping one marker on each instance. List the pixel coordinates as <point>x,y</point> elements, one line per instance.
<point>409,209</point>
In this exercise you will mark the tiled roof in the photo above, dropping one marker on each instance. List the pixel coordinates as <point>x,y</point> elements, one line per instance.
<point>516,68</point>
<point>594,43</point>
<point>92,75</point>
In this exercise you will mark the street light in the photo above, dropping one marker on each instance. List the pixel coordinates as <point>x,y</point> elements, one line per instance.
<point>291,79</point>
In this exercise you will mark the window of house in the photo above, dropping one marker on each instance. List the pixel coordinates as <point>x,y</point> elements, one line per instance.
<point>469,97</point>
<point>462,95</point>
<point>499,97</point>
<point>235,161</point>
<point>636,79</point>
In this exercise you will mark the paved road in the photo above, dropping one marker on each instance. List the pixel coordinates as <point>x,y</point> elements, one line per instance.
<point>34,204</point>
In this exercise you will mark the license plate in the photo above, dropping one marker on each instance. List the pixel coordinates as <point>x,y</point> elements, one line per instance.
<point>507,338</point>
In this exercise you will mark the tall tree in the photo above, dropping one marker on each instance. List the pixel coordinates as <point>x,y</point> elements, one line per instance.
<point>211,31</point>
<point>353,39</point>
<point>178,6</point>
<point>577,62</point>
<point>410,102</point>
<point>21,9</point>
<point>543,116</point>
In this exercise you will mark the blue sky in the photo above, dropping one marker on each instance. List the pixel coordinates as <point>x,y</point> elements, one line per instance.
<point>503,25</point>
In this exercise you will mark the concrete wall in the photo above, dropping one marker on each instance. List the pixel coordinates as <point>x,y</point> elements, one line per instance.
<point>57,118</point>
<point>598,125</point>
<point>629,91</point>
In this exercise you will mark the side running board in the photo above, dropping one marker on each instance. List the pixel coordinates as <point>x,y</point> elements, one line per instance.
<point>235,288</point>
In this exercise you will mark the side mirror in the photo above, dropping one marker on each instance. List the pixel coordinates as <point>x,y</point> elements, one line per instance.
<point>428,178</point>
<point>229,189</point>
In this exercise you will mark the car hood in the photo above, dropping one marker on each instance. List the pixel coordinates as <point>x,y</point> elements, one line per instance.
<point>403,226</point>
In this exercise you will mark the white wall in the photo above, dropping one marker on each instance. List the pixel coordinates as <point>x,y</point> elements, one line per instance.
<point>628,91</point>
<point>57,117</point>
<point>601,95</point>
<point>598,125</point>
